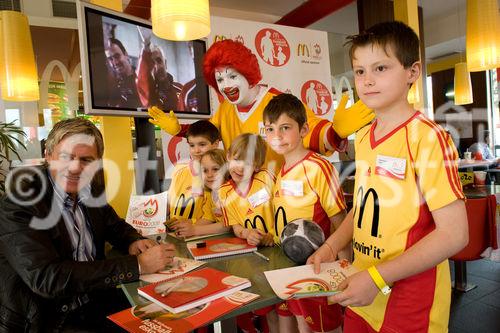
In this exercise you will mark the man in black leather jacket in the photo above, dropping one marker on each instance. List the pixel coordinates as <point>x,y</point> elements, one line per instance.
<point>53,271</point>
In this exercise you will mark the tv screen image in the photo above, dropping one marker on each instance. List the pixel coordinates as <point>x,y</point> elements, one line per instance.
<point>126,68</point>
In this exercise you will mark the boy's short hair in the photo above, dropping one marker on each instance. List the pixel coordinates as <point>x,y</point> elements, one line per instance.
<point>245,144</point>
<point>285,104</point>
<point>397,35</point>
<point>205,129</point>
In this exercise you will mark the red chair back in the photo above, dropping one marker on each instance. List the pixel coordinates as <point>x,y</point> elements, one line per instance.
<point>480,215</point>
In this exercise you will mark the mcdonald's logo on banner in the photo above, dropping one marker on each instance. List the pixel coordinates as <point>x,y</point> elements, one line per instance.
<point>302,50</point>
<point>218,38</point>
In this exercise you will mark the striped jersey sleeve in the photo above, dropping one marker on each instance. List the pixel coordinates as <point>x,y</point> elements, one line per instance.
<point>436,165</point>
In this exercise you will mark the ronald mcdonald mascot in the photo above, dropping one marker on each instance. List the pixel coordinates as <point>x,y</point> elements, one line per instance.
<point>233,71</point>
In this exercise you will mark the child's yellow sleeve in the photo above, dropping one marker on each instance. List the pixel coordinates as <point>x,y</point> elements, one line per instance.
<point>436,166</point>
<point>329,190</point>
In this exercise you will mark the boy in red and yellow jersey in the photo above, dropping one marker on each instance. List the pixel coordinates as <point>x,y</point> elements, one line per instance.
<point>307,187</point>
<point>409,214</point>
<point>186,192</point>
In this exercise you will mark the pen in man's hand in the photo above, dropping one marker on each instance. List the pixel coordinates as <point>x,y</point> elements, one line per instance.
<point>258,254</point>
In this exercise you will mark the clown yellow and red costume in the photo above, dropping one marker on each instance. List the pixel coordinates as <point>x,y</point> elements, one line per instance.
<point>233,118</point>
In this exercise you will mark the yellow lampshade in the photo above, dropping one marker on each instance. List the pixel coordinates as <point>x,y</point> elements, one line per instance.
<point>18,75</point>
<point>463,87</point>
<point>483,35</point>
<point>180,20</point>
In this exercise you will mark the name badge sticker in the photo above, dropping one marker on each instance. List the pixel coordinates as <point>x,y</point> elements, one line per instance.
<point>392,167</point>
<point>293,188</point>
<point>259,198</point>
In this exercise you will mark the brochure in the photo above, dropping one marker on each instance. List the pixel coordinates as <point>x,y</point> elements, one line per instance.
<point>178,267</point>
<point>147,213</point>
<point>151,318</point>
<point>301,281</point>
<point>193,289</point>
<point>213,248</point>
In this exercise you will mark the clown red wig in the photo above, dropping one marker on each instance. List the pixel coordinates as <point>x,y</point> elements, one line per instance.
<point>231,54</point>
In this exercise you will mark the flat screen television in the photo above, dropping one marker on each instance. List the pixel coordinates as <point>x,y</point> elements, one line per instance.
<point>126,68</point>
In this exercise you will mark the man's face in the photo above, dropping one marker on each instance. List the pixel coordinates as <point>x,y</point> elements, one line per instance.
<point>73,162</point>
<point>159,65</point>
<point>118,60</point>
<point>232,85</point>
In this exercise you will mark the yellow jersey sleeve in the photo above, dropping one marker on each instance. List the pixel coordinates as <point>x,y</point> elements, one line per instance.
<point>184,195</point>
<point>436,165</point>
<point>326,184</point>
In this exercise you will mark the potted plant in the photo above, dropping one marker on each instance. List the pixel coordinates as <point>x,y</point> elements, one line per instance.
<point>9,143</point>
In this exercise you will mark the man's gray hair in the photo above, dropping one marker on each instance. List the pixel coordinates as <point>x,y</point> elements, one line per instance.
<point>69,127</point>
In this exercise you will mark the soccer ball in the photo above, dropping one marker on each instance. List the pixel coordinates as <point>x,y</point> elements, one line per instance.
<point>300,238</point>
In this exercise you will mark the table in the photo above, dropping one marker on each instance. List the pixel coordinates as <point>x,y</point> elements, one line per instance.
<point>244,265</point>
<point>477,192</point>
<point>485,164</point>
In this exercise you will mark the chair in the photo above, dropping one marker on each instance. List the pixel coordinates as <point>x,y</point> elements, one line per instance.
<point>481,215</point>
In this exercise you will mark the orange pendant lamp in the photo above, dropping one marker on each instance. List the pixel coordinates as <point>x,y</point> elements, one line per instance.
<point>483,35</point>
<point>180,20</point>
<point>463,87</point>
<point>18,74</point>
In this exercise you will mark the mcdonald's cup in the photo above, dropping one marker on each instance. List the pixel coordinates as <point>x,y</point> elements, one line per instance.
<point>300,238</point>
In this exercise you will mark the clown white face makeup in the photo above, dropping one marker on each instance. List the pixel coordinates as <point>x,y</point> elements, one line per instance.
<point>233,86</point>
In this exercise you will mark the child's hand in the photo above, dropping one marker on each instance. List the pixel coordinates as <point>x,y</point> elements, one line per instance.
<point>183,228</point>
<point>323,254</point>
<point>267,239</point>
<point>254,237</point>
<point>357,290</point>
<point>169,223</point>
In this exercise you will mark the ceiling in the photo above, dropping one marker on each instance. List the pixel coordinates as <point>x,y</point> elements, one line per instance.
<point>344,20</point>
<point>438,15</point>
<point>431,8</point>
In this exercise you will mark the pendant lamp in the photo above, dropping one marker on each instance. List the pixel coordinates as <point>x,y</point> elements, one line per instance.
<point>18,74</point>
<point>483,35</point>
<point>180,20</point>
<point>463,87</point>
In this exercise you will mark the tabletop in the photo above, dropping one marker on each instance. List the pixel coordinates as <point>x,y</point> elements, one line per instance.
<point>466,164</point>
<point>246,265</point>
<point>476,192</point>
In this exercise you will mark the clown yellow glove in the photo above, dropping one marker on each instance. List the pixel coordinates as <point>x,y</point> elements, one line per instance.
<point>348,121</point>
<point>167,122</point>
